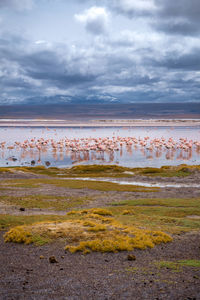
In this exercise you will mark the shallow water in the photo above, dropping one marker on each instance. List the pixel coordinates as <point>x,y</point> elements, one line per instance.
<point>139,183</point>
<point>133,155</point>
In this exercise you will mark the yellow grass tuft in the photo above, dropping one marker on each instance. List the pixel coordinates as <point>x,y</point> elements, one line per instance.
<point>98,211</point>
<point>127,212</point>
<point>88,233</point>
<point>18,235</point>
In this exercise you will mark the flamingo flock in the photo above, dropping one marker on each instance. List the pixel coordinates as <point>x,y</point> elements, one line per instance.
<point>103,144</point>
<point>86,149</point>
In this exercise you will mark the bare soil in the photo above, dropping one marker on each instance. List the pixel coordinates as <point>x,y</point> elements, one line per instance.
<point>26,272</point>
<point>24,275</point>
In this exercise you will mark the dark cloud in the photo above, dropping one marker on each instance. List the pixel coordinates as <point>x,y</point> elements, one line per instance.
<point>49,66</point>
<point>17,4</point>
<point>34,72</point>
<point>178,17</point>
<point>132,9</point>
<point>189,10</point>
<point>185,62</point>
<point>104,72</point>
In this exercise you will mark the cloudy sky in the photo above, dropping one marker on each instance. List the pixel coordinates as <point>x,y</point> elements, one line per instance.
<point>99,51</point>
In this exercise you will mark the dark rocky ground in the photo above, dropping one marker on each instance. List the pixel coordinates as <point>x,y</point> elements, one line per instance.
<point>25,275</point>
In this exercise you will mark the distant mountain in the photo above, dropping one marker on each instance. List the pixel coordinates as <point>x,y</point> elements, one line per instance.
<point>82,111</point>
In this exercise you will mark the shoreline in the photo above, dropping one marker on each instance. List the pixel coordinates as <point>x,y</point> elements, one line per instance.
<point>99,123</point>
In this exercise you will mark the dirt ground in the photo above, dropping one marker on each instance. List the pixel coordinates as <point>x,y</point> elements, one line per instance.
<point>24,275</point>
<point>26,272</point>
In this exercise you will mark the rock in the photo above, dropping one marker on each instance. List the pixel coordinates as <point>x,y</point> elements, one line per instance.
<point>131,257</point>
<point>52,260</point>
<point>12,158</point>
<point>47,163</point>
<point>22,209</point>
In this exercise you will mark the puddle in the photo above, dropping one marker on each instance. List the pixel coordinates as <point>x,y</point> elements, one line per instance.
<point>139,183</point>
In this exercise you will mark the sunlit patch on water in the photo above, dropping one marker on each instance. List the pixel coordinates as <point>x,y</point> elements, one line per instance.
<point>131,147</point>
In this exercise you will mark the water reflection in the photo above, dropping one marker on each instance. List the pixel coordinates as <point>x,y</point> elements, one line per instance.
<point>134,147</point>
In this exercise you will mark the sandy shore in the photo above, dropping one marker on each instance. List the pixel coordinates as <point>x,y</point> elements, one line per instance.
<point>98,123</point>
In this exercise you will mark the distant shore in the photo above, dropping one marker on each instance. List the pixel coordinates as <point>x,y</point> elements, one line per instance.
<point>98,123</point>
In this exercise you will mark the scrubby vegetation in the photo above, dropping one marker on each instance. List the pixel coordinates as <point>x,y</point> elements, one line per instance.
<point>77,184</point>
<point>123,225</point>
<point>177,266</point>
<point>107,171</point>
<point>45,201</point>
<point>91,230</point>
<point>168,202</point>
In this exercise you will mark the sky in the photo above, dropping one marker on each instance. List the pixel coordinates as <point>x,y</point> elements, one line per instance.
<point>100,51</point>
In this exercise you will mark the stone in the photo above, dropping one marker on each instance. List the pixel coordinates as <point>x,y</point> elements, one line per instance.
<point>52,260</point>
<point>131,257</point>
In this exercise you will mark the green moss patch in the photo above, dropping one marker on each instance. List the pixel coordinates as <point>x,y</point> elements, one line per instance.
<point>177,266</point>
<point>77,184</point>
<point>106,171</point>
<point>167,202</point>
<point>45,201</point>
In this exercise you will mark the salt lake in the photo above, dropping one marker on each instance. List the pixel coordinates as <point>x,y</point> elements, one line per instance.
<point>127,146</point>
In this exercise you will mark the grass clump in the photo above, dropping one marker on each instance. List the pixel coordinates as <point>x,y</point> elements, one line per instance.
<point>97,228</point>
<point>168,215</point>
<point>127,212</point>
<point>97,170</point>
<point>165,202</point>
<point>168,171</point>
<point>10,221</point>
<point>91,211</point>
<point>177,265</point>
<point>100,211</point>
<point>90,232</point>
<point>18,235</point>
<point>114,239</point>
<point>45,201</point>
<point>5,170</point>
<point>190,263</point>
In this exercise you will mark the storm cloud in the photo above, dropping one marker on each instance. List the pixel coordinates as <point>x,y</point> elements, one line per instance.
<point>108,51</point>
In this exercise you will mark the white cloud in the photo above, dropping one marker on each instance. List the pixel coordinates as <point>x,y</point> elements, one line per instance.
<point>39,42</point>
<point>95,19</point>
